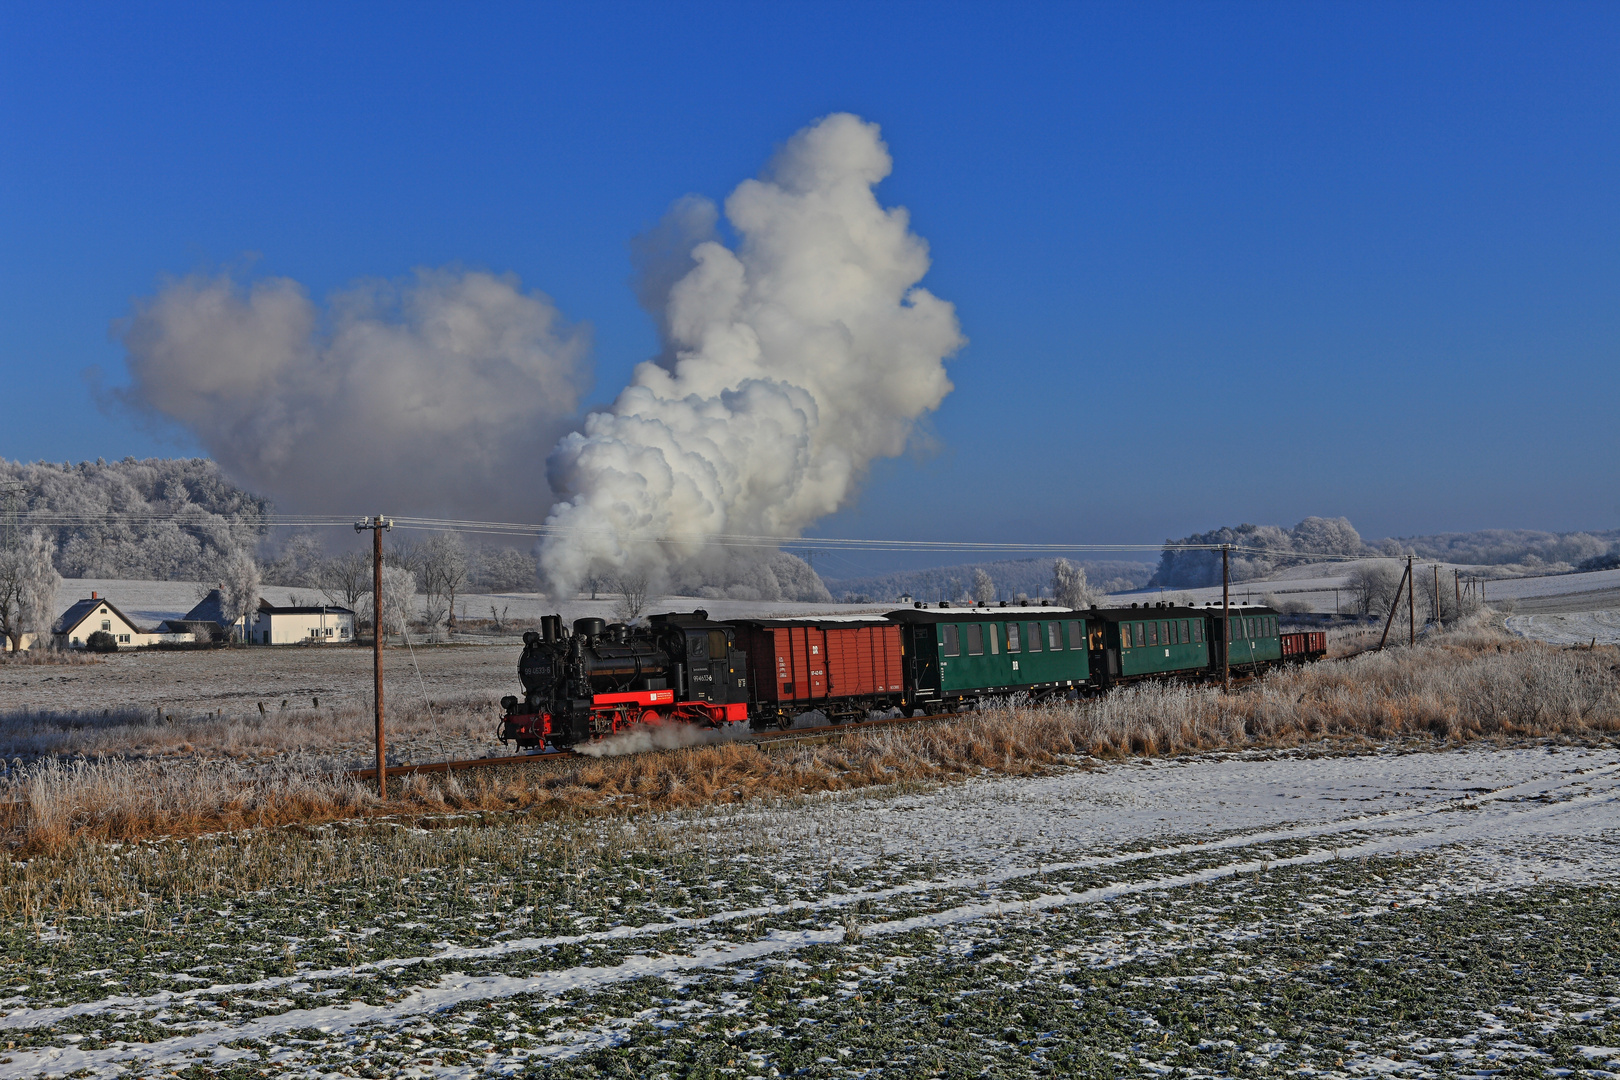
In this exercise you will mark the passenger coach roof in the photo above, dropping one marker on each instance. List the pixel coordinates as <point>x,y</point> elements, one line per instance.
<point>979,614</point>
<point>1147,613</point>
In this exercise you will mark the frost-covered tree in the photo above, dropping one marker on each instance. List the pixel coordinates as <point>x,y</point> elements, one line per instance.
<point>1070,587</point>
<point>298,562</point>
<point>398,598</point>
<point>1372,587</point>
<point>160,518</point>
<point>505,570</point>
<point>632,601</point>
<point>984,590</point>
<point>28,584</point>
<point>239,588</point>
<point>443,572</point>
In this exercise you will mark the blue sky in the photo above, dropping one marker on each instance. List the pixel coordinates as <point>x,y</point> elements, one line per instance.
<point>1216,262</point>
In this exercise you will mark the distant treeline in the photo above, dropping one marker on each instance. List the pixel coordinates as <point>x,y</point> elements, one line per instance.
<point>1011,578</point>
<point>158,519</point>
<point>1272,548</point>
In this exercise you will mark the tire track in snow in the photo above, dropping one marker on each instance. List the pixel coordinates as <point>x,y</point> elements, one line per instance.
<point>1417,829</point>
<point>27,1018</point>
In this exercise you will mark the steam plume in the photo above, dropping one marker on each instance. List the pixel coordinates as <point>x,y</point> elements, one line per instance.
<point>789,365</point>
<point>433,395</point>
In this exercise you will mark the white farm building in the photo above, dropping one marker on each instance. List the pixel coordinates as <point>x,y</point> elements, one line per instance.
<point>323,625</point>
<point>73,629</point>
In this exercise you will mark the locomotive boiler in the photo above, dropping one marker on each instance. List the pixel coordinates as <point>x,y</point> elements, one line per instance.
<point>603,678</point>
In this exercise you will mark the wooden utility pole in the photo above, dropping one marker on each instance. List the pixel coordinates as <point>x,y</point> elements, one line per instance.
<point>1226,617</point>
<point>1411,605</point>
<point>1395,604</point>
<point>1456,581</point>
<point>377,525</point>
<point>1437,620</point>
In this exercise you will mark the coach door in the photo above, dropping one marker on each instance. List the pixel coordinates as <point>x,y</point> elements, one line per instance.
<point>1103,659</point>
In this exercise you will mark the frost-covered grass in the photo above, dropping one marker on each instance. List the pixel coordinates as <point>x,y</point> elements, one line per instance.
<point>1455,688</point>
<point>1226,914</point>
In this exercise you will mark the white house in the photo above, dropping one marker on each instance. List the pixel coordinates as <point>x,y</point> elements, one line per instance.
<point>323,625</point>
<point>86,617</point>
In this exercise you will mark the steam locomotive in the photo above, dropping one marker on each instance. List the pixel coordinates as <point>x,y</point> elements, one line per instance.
<point>602,679</point>
<point>606,677</point>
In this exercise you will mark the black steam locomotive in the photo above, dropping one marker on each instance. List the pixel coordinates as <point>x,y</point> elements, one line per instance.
<point>605,677</point>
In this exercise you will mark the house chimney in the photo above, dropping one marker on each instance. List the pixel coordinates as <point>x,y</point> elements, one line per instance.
<point>92,596</point>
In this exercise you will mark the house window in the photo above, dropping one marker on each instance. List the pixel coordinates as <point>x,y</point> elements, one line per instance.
<point>106,624</point>
<point>123,639</point>
<point>950,640</point>
<point>975,639</point>
<point>1012,637</point>
<point>1034,637</point>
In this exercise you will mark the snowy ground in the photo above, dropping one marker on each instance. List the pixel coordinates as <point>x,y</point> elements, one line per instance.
<point>1315,584</point>
<point>1572,628</point>
<point>1392,913</point>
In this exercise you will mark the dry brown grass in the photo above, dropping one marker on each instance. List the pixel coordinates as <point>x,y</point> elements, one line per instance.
<point>1456,687</point>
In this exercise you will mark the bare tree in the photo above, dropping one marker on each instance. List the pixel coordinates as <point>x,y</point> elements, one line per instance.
<point>444,572</point>
<point>984,590</point>
<point>28,584</point>
<point>632,590</point>
<point>239,586</point>
<point>345,578</point>
<point>1372,587</point>
<point>1070,587</point>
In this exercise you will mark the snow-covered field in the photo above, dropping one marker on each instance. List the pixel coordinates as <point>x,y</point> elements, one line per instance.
<point>1315,584</point>
<point>1411,913</point>
<point>1569,628</point>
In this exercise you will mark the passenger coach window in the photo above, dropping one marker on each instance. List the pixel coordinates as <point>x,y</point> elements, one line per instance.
<point>952,642</point>
<point>1198,630</point>
<point>1141,638</point>
<point>1184,638</point>
<point>1075,639</point>
<point>1054,640</point>
<point>1034,637</point>
<point>1012,637</point>
<point>975,636</point>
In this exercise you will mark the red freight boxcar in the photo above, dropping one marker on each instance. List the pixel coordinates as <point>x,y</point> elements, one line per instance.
<point>1305,645</point>
<point>842,667</point>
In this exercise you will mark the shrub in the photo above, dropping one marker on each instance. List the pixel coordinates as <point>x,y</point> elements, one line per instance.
<point>101,641</point>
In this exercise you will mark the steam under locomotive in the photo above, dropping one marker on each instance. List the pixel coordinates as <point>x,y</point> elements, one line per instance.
<point>601,679</point>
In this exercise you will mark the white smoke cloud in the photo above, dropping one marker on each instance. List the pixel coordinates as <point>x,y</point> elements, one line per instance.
<point>435,395</point>
<point>790,364</point>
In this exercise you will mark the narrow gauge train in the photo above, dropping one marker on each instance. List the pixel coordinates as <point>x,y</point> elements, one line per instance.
<point>685,668</point>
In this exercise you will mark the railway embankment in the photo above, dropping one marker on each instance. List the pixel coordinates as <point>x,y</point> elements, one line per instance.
<point>1471,684</point>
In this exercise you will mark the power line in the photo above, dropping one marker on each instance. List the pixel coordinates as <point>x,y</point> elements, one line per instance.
<point>724,540</point>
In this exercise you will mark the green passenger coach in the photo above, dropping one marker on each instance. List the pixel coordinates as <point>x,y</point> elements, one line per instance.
<point>957,655</point>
